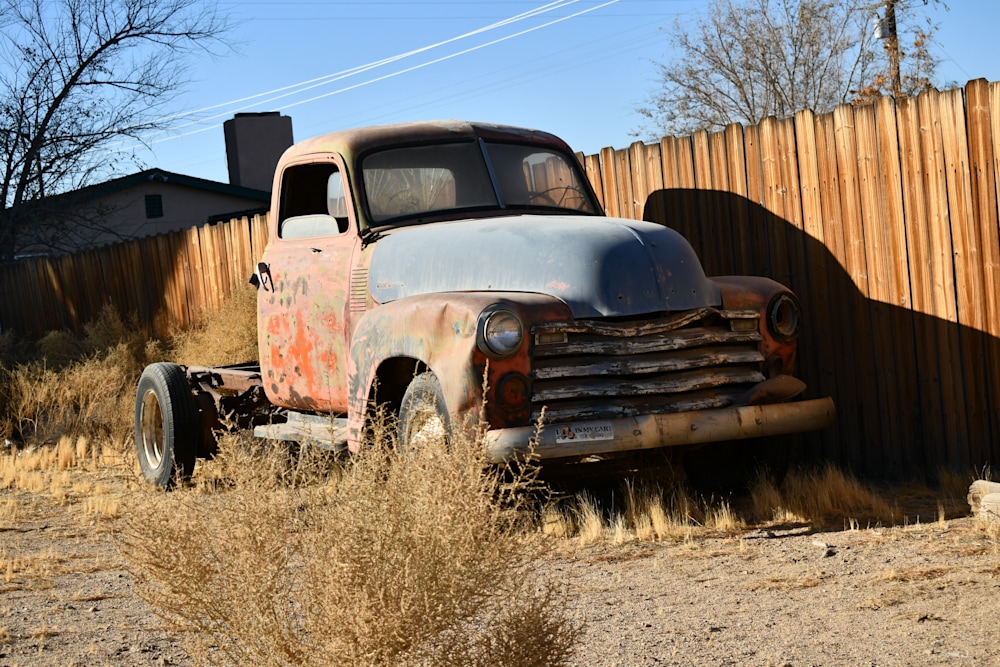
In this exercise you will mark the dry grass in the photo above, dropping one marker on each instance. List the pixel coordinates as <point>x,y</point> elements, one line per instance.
<point>389,558</point>
<point>226,337</point>
<point>74,386</point>
<point>83,386</point>
<point>909,575</point>
<point>647,513</point>
<point>824,498</point>
<point>785,583</point>
<point>828,497</point>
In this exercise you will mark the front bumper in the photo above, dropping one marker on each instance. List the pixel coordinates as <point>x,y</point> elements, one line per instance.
<point>556,441</point>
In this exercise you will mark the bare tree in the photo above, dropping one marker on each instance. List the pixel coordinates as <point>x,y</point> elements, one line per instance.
<point>749,59</point>
<point>906,65</point>
<point>79,80</point>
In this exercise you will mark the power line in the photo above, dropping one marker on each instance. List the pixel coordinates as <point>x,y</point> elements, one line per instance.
<point>302,86</point>
<point>294,89</point>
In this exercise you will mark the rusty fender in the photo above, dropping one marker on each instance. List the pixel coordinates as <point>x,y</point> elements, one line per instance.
<point>652,431</point>
<point>760,294</point>
<point>437,330</point>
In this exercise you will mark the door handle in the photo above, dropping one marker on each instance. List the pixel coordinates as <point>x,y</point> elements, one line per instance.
<point>261,278</point>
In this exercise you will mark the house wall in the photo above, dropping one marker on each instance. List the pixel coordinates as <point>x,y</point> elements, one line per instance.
<point>123,214</point>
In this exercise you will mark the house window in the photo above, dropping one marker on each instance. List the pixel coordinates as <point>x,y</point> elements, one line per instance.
<point>154,206</point>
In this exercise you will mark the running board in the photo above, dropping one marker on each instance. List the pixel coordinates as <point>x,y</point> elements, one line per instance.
<point>319,430</point>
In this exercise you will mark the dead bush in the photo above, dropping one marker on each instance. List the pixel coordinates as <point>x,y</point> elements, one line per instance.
<point>228,336</point>
<point>75,386</point>
<point>420,557</point>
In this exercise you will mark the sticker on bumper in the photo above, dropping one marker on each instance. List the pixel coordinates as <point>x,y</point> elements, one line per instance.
<point>585,432</point>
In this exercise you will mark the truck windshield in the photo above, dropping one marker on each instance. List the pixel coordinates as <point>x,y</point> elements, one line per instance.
<point>418,181</point>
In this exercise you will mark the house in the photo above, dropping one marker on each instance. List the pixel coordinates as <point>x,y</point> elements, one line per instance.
<point>156,201</point>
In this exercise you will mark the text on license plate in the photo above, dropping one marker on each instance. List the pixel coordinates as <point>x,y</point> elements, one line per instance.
<point>584,431</point>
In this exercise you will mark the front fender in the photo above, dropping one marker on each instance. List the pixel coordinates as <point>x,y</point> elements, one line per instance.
<point>756,293</point>
<point>438,331</point>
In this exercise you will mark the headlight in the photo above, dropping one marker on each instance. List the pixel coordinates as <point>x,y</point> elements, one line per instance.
<point>784,317</point>
<point>500,333</point>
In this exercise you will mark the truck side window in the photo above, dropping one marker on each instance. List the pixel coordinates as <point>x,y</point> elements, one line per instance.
<point>313,202</point>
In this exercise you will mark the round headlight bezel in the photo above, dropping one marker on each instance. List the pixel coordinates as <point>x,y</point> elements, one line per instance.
<point>784,317</point>
<point>500,333</point>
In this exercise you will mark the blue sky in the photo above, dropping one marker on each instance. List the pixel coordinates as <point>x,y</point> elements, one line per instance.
<point>577,68</point>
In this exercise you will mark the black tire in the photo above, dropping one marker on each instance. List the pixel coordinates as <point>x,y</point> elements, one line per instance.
<point>423,403</point>
<point>166,419</point>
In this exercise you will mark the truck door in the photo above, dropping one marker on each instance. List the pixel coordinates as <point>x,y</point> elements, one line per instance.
<point>303,316</point>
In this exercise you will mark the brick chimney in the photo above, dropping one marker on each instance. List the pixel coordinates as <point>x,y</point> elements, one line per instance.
<point>254,143</point>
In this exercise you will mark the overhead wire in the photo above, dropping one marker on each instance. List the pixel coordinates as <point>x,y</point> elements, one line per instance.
<point>302,86</point>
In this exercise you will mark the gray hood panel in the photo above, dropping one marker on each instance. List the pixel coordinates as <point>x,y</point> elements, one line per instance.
<point>601,267</point>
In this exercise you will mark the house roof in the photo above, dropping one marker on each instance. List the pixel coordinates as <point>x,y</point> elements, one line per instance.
<point>132,180</point>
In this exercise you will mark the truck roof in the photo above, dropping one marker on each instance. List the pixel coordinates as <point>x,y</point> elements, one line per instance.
<point>353,142</point>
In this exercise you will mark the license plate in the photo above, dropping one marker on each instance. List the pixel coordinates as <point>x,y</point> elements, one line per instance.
<point>585,432</point>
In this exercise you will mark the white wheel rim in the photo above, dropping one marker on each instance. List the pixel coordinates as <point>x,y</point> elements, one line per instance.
<point>151,429</point>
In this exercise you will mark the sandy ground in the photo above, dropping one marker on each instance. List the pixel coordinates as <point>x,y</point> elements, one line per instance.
<point>919,594</point>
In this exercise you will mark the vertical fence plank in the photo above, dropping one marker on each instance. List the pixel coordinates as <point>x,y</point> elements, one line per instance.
<point>930,387</point>
<point>897,308</point>
<point>774,192</point>
<point>869,411</point>
<point>592,169</point>
<point>884,336</point>
<point>979,121</point>
<point>710,250</point>
<point>968,266</point>
<point>623,180</point>
<point>759,217</point>
<point>638,187</point>
<point>609,177</point>
<point>840,293</point>
<point>652,208</point>
<point>728,257</point>
<point>942,267</point>
<point>819,320</point>
<point>736,178</point>
<point>678,211</point>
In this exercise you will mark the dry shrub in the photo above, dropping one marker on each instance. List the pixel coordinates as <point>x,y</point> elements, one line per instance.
<point>228,336</point>
<point>389,558</point>
<point>91,397</point>
<point>75,386</point>
<point>59,348</point>
<point>826,496</point>
<point>644,512</point>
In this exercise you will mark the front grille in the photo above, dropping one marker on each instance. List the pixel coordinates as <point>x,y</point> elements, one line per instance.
<point>599,369</point>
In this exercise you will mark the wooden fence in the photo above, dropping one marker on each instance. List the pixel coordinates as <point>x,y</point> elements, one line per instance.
<point>883,219</point>
<point>165,282</point>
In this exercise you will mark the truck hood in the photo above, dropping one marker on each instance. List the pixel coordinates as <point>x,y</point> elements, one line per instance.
<point>600,267</point>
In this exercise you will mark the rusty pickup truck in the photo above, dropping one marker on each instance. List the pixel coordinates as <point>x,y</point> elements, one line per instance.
<point>464,277</point>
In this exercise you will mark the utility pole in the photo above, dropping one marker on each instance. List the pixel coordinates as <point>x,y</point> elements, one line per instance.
<point>892,47</point>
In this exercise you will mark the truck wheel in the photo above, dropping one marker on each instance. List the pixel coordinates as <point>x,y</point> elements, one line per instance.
<point>165,425</point>
<point>423,415</point>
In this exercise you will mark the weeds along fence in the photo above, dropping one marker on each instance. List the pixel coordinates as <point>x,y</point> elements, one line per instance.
<point>883,218</point>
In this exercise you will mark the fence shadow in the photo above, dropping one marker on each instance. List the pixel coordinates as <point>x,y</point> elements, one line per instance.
<point>915,393</point>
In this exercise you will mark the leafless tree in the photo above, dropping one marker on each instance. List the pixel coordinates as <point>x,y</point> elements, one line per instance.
<point>746,60</point>
<point>80,79</point>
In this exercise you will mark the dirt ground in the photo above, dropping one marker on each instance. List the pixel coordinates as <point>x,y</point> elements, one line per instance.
<point>923,593</point>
